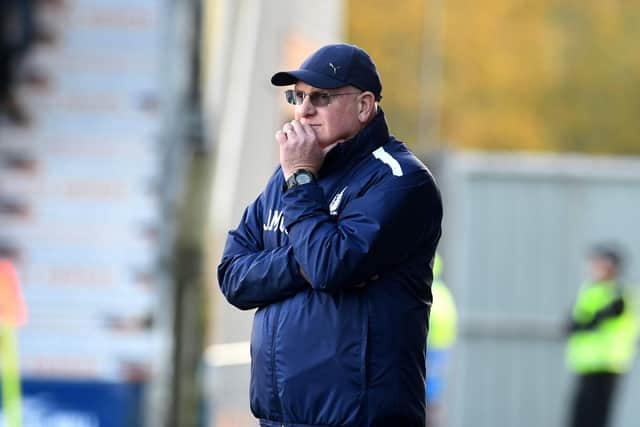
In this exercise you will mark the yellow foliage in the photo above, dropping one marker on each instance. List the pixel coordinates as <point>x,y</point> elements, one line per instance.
<point>393,38</point>
<point>560,75</point>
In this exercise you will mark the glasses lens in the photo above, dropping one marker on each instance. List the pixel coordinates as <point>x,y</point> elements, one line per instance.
<point>290,96</point>
<point>319,99</point>
<point>299,95</point>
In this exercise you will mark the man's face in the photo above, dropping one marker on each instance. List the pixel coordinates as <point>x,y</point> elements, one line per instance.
<point>602,269</point>
<point>335,122</point>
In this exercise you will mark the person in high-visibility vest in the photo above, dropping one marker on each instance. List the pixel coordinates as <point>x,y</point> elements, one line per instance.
<point>602,338</point>
<point>442,335</point>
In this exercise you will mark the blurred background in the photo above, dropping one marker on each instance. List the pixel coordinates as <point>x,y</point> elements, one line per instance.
<point>134,132</point>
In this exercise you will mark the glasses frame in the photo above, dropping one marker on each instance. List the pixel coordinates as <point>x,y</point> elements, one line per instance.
<point>317,99</point>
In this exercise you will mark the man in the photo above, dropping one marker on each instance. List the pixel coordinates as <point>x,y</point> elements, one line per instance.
<point>16,33</point>
<point>335,253</point>
<point>603,332</point>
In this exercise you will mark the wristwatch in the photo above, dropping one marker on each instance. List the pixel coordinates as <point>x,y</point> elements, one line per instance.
<point>300,177</point>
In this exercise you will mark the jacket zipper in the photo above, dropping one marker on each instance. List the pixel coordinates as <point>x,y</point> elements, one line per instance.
<point>273,364</point>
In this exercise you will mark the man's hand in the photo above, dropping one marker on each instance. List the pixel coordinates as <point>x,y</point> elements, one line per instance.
<point>299,148</point>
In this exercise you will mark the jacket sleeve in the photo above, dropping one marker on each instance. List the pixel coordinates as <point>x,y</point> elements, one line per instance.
<point>392,221</point>
<point>251,276</point>
<point>614,309</point>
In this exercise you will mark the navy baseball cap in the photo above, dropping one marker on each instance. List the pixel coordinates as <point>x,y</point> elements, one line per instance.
<point>334,66</point>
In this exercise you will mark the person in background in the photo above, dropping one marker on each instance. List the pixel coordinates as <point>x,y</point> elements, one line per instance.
<point>442,336</point>
<point>336,255</point>
<point>16,35</point>
<point>603,332</point>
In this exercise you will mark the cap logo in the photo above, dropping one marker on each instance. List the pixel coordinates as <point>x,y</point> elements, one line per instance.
<point>334,68</point>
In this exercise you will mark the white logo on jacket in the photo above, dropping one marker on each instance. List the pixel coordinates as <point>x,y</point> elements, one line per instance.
<point>275,221</point>
<point>333,206</point>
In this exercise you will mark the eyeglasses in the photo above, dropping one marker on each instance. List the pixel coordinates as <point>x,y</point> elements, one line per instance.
<point>317,99</point>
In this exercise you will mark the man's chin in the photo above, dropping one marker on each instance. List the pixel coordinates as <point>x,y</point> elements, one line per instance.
<point>323,143</point>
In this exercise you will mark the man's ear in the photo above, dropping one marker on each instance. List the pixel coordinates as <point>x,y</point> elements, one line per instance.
<point>366,106</point>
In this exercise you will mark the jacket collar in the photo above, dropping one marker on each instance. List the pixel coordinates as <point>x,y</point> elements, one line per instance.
<point>374,135</point>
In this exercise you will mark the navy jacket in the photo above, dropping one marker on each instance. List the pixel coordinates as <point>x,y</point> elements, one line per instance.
<point>346,348</point>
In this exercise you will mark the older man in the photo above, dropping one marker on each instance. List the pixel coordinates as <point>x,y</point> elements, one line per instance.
<point>336,254</point>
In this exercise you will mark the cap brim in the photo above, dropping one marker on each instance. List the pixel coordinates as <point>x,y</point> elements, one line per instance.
<point>286,78</point>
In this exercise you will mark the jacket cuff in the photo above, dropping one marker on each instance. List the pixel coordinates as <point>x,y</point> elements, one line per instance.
<point>303,201</point>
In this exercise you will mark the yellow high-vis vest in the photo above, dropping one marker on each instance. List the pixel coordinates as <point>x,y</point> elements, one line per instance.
<point>610,345</point>
<point>443,317</point>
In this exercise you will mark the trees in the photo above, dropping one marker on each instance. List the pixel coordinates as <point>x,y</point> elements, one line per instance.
<point>552,75</point>
<point>393,37</point>
<point>594,100</point>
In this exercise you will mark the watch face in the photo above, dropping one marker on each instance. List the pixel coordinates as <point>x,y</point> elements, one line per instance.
<point>303,178</point>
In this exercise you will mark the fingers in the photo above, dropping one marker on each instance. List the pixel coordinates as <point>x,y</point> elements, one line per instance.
<point>295,129</point>
<point>287,132</point>
<point>299,148</point>
<point>303,129</point>
<point>309,130</point>
<point>288,128</point>
<point>298,128</point>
